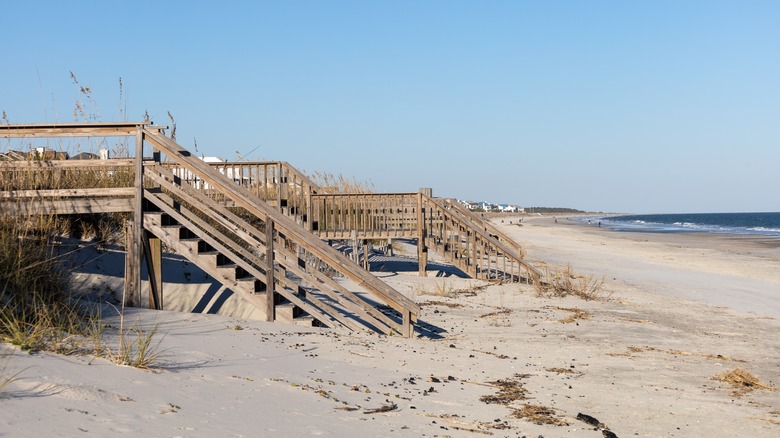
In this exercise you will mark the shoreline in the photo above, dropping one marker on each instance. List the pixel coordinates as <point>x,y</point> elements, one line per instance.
<point>733,270</point>
<point>761,240</point>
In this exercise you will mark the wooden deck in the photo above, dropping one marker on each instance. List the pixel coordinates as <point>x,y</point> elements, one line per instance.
<point>254,224</point>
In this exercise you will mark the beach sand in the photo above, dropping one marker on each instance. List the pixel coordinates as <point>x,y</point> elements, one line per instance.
<point>678,311</point>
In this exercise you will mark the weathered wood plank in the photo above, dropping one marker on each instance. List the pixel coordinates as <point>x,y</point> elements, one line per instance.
<point>138,214</point>
<point>66,206</point>
<point>45,130</point>
<point>270,306</point>
<point>67,193</point>
<point>66,164</point>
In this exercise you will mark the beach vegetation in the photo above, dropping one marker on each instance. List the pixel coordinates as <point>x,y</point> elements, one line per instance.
<point>742,381</point>
<point>444,289</point>
<point>559,283</point>
<point>138,347</point>
<point>340,184</point>
<point>7,375</point>
<point>36,311</point>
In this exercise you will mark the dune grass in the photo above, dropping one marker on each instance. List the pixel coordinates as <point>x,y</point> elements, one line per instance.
<point>7,375</point>
<point>37,313</point>
<point>563,282</point>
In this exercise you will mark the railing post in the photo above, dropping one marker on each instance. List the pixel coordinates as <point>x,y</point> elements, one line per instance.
<point>308,214</point>
<point>422,250</point>
<point>279,186</point>
<point>269,272</point>
<point>366,254</point>
<point>355,247</point>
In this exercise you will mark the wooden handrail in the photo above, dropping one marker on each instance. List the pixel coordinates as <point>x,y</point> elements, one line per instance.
<point>65,164</point>
<point>95,129</point>
<point>473,218</point>
<point>67,193</point>
<point>466,221</point>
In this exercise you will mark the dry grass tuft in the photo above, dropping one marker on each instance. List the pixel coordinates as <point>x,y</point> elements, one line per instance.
<point>541,415</point>
<point>7,377</point>
<point>331,183</point>
<point>742,381</point>
<point>564,282</point>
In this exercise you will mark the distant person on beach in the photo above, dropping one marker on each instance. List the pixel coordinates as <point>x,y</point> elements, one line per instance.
<point>599,224</point>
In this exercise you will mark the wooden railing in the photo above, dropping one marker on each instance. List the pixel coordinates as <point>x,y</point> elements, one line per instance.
<point>470,247</point>
<point>482,224</point>
<point>275,182</point>
<point>66,187</point>
<point>367,215</point>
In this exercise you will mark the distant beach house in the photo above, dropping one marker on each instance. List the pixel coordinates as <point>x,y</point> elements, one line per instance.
<point>487,206</point>
<point>509,208</point>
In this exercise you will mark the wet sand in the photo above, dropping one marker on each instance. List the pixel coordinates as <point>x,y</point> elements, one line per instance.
<point>737,271</point>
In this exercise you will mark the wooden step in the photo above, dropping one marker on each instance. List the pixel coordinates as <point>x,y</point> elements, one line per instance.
<point>291,314</point>
<point>251,285</point>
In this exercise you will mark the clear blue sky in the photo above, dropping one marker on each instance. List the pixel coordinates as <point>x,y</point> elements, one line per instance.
<point>631,106</point>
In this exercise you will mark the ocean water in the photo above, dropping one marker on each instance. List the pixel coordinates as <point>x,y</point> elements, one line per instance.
<point>766,224</point>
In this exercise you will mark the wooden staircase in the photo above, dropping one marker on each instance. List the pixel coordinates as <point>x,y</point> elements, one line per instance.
<point>257,227</point>
<point>222,268</point>
<point>258,252</point>
<point>473,244</point>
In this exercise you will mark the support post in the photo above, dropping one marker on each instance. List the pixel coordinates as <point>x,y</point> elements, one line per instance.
<point>308,214</point>
<point>355,248</point>
<point>130,276</point>
<point>473,251</point>
<point>422,251</point>
<point>366,253</point>
<point>153,256</point>
<point>407,329</point>
<point>279,186</point>
<point>270,307</point>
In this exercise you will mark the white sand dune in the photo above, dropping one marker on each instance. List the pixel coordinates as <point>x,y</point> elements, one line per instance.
<point>642,362</point>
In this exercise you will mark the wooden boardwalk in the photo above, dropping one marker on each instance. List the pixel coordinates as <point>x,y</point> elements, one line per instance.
<point>254,224</point>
